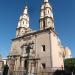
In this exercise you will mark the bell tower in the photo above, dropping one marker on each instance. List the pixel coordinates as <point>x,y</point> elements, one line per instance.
<point>46,16</point>
<point>23,24</point>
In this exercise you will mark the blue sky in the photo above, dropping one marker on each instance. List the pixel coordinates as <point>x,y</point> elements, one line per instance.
<point>64,16</point>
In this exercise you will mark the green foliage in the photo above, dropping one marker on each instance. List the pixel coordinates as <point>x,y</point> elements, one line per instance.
<point>69,64</point>
<point>61,72</point>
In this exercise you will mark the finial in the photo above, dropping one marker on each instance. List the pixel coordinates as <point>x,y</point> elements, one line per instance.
<point>26,10</point>
<point>26,7</point>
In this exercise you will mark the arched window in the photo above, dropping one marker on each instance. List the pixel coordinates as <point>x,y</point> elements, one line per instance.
<point>48,11</point>
<point>44,24</point>
<point>25,64</point>
<point>23,22</point>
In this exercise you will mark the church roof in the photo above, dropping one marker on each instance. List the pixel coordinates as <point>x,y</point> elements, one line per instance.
<point>35,32</point>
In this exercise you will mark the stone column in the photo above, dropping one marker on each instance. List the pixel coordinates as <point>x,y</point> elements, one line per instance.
<point>29,68</point>
<point>15,65</point>
<point>22,64</point>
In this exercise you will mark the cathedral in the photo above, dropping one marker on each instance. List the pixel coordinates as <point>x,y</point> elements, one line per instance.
<point>35,51</point>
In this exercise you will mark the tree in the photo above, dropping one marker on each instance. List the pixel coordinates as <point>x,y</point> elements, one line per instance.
<point>69,65</point>
<point>5,70</point>
<point>61,72</point>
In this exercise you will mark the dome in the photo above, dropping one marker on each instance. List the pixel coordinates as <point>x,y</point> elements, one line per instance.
<point>68,51</point>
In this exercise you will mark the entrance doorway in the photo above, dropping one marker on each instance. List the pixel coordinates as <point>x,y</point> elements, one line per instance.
<point>25,64</point>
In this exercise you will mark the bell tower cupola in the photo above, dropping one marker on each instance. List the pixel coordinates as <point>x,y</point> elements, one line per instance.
<point>46,16</point>
<point>23,24</point>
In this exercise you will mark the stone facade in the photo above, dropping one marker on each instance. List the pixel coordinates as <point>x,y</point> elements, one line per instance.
<point>46,50</point>
<point>36,51</point>
<point>1,63</point>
